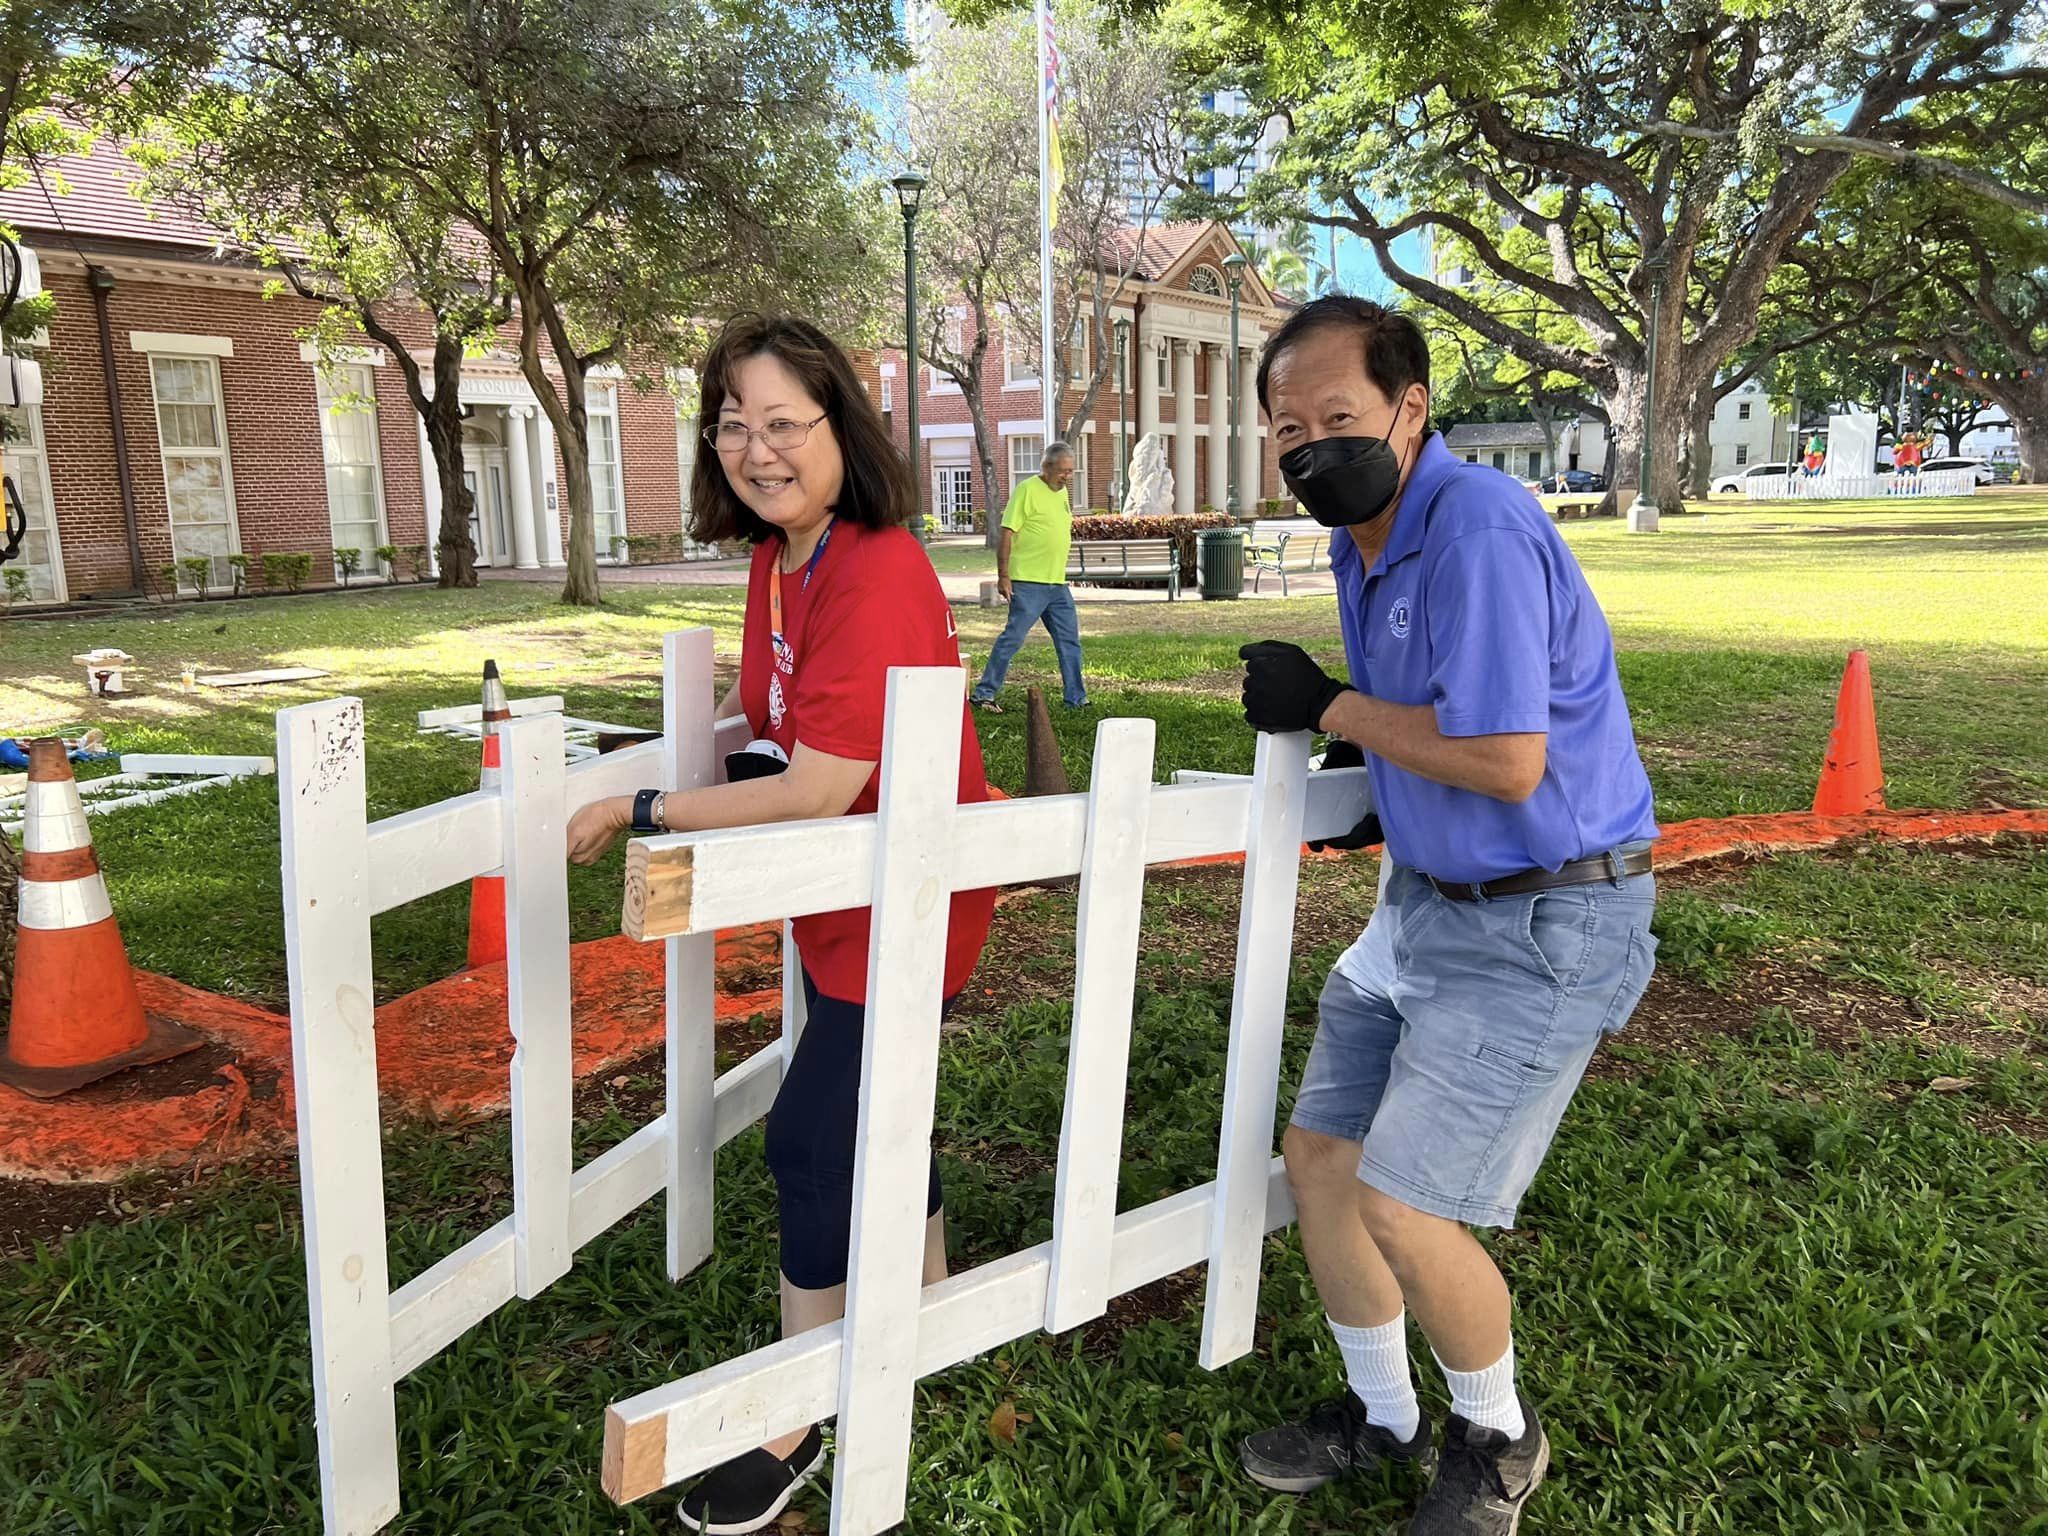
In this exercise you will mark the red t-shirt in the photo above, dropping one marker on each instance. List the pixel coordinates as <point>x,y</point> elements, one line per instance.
<point>872,602</point>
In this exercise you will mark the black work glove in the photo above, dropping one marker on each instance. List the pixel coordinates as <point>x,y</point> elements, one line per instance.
<point>1284,690</point>
<point>1342,754</point>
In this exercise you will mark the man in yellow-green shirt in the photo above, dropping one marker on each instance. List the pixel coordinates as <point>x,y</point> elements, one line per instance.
<point>1031,571</point>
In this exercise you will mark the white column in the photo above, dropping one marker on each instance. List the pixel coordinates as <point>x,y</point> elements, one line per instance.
<point>1183,426</point>
<point>430,495</point>
<point>1147,362</point>
<point>1219,427</point>
<point>519,470</point>
<point>1251,462</point>
<point>550,514</point>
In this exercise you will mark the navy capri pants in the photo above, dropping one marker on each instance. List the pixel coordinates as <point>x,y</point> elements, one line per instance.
<point>811,1143</point>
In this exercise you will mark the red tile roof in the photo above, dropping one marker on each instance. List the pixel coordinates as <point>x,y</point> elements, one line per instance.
<point>1157,248</point>
<point>93,196</point>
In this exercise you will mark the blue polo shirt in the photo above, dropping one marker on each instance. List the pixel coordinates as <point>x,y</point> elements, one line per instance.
<point>1477,608</point>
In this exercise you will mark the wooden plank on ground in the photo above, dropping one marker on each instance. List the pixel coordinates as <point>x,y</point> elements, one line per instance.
<point>898,1083</point>
<point>1258,1013</point>
<point>321,811</point>
<point>1098,1061</point>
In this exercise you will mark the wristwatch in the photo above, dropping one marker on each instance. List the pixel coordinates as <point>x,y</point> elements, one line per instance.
<point>647,811</point>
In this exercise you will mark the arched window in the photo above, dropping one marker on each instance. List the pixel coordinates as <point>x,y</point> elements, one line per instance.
<point>1206,279</point>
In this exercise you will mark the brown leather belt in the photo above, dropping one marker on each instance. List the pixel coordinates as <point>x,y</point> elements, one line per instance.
<point>1613,865</point>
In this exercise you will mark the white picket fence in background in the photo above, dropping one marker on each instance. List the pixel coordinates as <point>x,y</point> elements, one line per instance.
<point>904,861</point>
<point>1824,487</point>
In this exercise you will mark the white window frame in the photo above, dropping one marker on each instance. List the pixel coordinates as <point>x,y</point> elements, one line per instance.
<point>1080,447</point>
<point>1163,357</point>
<point>35,450</point>
<point>324,379</point>
<point>1742,410</point>
<point>955,338</point>
<point>601,413</point>
<point>1741,454</point>
<point>888,395</point>
<point>1011,444</point>
<point>1015,374</point>
<point>210,361</point>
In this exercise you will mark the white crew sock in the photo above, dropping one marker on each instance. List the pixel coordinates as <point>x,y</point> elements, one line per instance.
<point>1376,1364</point>
<point>1487,1397</point>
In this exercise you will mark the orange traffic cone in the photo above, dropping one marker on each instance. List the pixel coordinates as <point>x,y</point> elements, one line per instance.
<point>487,892</point>
<point>1852,777</point>
<point>77,1016</point>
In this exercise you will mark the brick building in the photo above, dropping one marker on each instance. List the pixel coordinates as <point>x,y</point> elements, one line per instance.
<point>1177,303</point>
<point>240,438</point>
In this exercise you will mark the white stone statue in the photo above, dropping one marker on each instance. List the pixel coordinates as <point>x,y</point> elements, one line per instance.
<point>1151,489</point>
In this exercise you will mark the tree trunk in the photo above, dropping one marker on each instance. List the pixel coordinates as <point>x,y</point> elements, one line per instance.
<point>1625,451</point>
<point>985,452</point>
<point>564,402</point>
<point>1668,428</point>
<point>443,418</point>
<point>2031,427</point>
<point>1699,444</point>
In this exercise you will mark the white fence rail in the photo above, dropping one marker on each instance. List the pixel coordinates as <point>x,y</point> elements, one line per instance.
<point>1943,482</point>
<point>904,862</point>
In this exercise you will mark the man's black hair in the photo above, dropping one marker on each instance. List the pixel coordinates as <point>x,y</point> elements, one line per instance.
<point>1396,353</point>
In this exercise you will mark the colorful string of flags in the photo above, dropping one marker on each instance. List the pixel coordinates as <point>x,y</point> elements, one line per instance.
<point>1937,381</point>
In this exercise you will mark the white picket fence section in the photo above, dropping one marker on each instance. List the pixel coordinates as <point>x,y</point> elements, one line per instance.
<point>905,861</point>
<point>144,779</point>
<point>579,736</point>
<point>340,869</point>
<point>1943,482</point>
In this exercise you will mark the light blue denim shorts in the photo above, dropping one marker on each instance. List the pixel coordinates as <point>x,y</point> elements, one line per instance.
<point>1453,1034</point>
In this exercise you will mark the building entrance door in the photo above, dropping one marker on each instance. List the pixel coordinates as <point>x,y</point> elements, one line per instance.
<point>483,471</point>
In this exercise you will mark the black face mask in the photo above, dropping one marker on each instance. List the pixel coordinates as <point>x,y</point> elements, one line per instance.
<point>1344,481</point>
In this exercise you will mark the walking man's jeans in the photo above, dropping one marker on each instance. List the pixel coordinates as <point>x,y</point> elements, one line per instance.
<point>1031,601</point>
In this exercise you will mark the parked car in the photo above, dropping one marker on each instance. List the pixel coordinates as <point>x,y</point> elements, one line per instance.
<point>1731,484</point>
<point>1985,474</point>
<point>1574,482</point>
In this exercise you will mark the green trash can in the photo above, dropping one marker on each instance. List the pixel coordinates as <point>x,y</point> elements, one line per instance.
<point>1222,562</point>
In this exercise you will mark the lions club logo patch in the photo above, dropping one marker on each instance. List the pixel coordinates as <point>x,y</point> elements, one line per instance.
<point>1398,617</point>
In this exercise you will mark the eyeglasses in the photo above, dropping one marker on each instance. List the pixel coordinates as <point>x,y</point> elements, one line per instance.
<point>737,437</point>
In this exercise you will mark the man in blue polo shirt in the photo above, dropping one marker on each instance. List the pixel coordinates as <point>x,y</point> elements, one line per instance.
<point>1513,927</point>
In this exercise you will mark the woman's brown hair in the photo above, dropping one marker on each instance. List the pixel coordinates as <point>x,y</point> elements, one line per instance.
<point>878,492</point>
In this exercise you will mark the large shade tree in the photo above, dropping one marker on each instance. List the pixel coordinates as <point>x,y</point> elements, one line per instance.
<point>1562,150</point>
<point>633,168</point>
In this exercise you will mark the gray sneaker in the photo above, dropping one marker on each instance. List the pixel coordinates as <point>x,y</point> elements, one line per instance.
<point>1483,1479</point>
<point>1334,1439</point>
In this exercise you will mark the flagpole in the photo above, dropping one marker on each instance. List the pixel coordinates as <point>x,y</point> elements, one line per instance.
<point>1048,390</point>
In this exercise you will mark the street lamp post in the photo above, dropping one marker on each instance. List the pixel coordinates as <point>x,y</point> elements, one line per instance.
<point>1123,419</point>
<point>1642,513</point>
<point>909,193</point>
<point>1233,267</point>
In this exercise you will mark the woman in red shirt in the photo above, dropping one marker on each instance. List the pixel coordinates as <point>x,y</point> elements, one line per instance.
<point>802,465</point>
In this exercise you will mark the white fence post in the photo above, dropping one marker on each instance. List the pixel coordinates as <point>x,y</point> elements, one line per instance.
<point>1098,1061</point>
<point>324,821</point>
<point>688,707</point>
<point>1258,1012</point>
<point>898,1083</point>
<point>533,801</point>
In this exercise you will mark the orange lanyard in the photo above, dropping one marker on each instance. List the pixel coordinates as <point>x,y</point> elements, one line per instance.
<point>785,657</point>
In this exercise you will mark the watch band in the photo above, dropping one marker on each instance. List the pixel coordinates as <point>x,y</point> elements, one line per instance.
<point>644,806</point>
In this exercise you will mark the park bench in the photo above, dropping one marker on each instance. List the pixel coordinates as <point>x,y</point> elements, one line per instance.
<point>1572,504</point>
<point>1278,548</point>
<point>1103,562</point>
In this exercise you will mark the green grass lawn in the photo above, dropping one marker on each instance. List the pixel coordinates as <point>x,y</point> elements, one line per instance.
<point>1773,1279</point>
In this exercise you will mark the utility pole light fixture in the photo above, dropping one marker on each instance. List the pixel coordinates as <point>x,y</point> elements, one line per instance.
<point>1233,270</point>
<point>909,195</point>
<point>1642,513</point>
